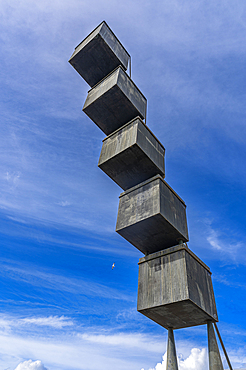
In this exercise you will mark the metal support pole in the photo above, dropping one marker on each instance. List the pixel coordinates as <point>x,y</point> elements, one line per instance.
<point>130,66</point>
<point>171,352</point>
<point>223,347</point>
<point>215,362</point>
<point>146,114</point>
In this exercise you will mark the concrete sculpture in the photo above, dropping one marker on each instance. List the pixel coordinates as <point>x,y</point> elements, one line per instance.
<point>132,154</point>
<point>175,287</point>
<point>152,216</point>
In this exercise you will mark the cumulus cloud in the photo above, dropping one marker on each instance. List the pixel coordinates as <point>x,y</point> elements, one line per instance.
<point>31,365</point>
<point>197,360</point>
<point>161,365</point>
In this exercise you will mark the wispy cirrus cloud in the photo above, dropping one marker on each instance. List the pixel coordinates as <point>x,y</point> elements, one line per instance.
<point>223,240</point>
<point>59,282</point>
<point>225,247</point>
<point>213,240</point>
<point>9,324</point>
<point>51,321</point>
<point>225,279</point>
<point>125,340</point>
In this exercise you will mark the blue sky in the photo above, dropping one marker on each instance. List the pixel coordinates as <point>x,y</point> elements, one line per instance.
<point>61,305</point>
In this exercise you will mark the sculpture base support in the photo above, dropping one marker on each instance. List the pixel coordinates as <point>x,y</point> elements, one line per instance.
<point>171,352</point>
<point>215,362</point>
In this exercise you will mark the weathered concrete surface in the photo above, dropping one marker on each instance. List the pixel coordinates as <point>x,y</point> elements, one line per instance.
<point>114,101</point>
<point>172,363</point>
<point>215,362</point>
<point>152,216</point>
<point>98,55</point>
<point>132,155</point>
<point>175,289</point>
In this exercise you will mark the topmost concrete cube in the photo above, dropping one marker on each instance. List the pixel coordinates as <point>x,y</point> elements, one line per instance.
<point>99,54</point>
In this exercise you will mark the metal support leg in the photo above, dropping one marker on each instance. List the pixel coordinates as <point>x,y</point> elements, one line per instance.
<point>215,362</point>
<point>223,347</point>
<point>171,352</point>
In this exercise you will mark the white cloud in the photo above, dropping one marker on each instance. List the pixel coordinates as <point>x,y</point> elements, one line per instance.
<point>75,350</point>
<point>139,341</point>
<point>64,203</point>
<point>12,178</point>
<point>213,240</point>
<point>10,323</point>
<point>219,242</point>
<point>52,321</point>
<point>197,360</point>
<point>75,353</point>
<point>161,365</point>
<point>31,365</point>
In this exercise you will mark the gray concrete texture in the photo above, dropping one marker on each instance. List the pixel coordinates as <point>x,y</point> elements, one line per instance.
<point>114,101</point>
<point>175,289</point>
<point>132,154</point>
<point>215,362</point>
<point>172,363</point>
<point>98,55</point>
<point>151,216</point>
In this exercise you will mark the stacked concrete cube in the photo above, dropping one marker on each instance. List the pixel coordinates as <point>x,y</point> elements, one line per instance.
<point>98,55</point>
<point>152,216</point>
<point>132,154</point>
<point>114,101</point>
<point>175,288</point>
